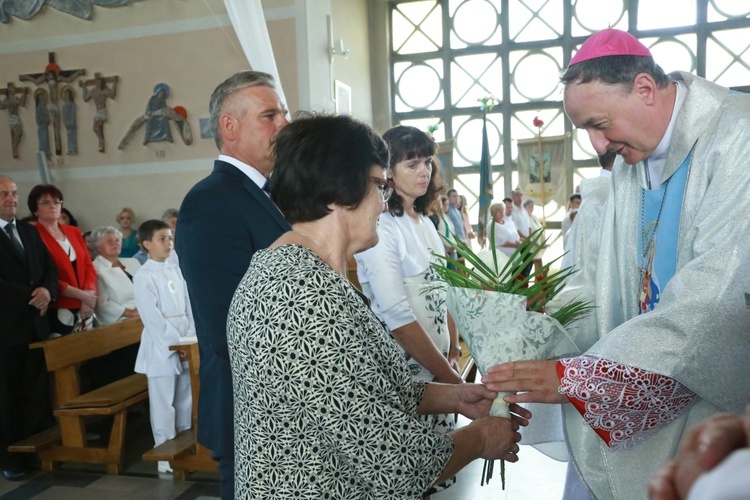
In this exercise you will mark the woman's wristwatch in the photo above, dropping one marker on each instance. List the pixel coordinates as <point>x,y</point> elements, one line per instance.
<point>457,348</point>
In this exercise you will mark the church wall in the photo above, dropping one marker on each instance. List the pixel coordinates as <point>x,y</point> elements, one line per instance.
<point>187,44</point>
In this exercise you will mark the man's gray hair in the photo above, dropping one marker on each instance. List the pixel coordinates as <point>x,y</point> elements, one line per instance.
<point>100,232</point>
<point>234,83</point>
<point>169,213</point>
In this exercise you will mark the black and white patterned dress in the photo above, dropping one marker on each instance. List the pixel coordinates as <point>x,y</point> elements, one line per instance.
<point>324,403</point>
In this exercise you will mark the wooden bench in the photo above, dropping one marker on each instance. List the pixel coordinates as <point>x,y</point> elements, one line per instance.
<point>183,452</point>
<point>74,409</point>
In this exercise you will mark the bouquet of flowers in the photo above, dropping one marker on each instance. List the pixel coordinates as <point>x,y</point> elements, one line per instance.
<point>501,313</point>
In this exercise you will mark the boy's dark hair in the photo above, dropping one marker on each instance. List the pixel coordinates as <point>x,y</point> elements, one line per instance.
<point>147,229</point>
<point>507,200</point>
<point>574,196</point>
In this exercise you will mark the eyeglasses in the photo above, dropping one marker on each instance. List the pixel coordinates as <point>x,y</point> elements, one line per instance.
<point>385,187</point>
<point>45,203</point>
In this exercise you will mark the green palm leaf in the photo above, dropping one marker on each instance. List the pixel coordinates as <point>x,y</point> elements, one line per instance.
<point>539,290</point>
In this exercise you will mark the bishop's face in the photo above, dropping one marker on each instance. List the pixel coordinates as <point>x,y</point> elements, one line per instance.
<point>614,118</point>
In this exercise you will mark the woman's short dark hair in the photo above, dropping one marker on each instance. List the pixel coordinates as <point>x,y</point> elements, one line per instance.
<point>322,160</point>
<point>405,143</point>
<point>38,192</point>
<point>615,70</point>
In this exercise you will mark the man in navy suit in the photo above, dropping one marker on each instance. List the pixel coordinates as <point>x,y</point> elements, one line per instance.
<point>28,282</point>
<point>224,220</point>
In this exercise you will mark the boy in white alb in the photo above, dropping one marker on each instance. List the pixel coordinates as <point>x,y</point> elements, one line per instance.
<point>162,300</point>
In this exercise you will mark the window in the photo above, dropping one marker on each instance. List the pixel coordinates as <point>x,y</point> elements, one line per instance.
<point>447,54</point>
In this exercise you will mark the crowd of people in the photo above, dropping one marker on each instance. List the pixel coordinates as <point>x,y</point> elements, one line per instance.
<point>317,386</point>
<point>73,283</point>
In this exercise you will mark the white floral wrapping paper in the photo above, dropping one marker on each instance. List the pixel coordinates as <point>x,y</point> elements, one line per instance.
<point>497,328</point>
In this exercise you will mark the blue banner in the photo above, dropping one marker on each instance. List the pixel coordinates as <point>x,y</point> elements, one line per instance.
<point>485,182</point>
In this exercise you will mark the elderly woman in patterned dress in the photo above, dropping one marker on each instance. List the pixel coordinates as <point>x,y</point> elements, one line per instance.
<point>325,406</point>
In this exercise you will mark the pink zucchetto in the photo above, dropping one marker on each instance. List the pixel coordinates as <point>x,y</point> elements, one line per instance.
<point>610,42</point>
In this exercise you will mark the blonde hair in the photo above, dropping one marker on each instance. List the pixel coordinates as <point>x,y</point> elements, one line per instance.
<point>125,209</point>
<point>497,207</point>
<point>463,203</point>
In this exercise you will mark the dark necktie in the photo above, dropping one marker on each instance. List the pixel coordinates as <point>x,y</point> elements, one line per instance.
<point>266,188</point>
<point>9,228</point>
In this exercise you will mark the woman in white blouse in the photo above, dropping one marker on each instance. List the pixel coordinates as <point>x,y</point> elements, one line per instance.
<point>397,277</point>
<point>506,234</point>
<point>114,277</point>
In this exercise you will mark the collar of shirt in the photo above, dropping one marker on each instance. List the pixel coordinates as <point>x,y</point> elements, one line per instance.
<point>101,260</point>
<point>246,169</point>
<point>4,223</point>
<point>658,158</point>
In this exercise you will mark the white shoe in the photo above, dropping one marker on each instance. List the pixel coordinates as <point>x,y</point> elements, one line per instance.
<point>164,467</point>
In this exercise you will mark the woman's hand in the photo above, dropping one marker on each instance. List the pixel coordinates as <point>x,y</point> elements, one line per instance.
<point>499,437</point>
<point>455,361</point>
<point>473,400</point>
<point>488,437</point>
<point>86,311</point>
<point>536,380</point>
<point>450,376</point>
<point>87,297</point>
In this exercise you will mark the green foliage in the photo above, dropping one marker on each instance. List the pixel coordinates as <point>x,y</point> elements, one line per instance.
<point>478,275</point>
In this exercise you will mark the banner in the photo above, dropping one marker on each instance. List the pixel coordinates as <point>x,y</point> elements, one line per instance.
<point>553,169</point>
<point>485,184</point>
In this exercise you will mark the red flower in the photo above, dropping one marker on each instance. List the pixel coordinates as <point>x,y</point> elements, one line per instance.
<point>538,122</point>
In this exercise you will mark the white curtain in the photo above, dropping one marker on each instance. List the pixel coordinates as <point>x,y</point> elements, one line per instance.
<point>250,25</point>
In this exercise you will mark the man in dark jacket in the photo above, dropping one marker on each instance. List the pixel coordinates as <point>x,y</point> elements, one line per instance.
<point>28,282</point>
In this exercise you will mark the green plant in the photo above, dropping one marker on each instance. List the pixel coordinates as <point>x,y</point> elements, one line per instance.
<point>474,273</point>
<point>539,289</point>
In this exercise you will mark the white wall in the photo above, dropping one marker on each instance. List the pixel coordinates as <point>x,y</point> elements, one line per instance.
<point>187,44</point>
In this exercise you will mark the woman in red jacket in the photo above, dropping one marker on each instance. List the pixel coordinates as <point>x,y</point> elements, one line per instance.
<point>76,297</point>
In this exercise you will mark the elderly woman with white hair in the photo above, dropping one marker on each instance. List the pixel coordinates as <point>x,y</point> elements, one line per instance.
<point>115,301</point>
<point>114,277</point>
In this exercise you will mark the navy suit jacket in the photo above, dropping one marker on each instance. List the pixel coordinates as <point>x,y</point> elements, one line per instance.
<point>20,323</point>
<point>223,220</point>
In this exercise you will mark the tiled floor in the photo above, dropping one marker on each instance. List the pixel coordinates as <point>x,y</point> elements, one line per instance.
<point>534,477</point>
<point>140,481</point>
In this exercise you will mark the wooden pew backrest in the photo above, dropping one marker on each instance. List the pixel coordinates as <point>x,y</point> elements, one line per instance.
<point>78,347</point>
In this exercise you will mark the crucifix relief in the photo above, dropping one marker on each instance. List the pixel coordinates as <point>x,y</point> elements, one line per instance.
<point>14,99</point>
<point>52,77</point>
<point>97,90</point>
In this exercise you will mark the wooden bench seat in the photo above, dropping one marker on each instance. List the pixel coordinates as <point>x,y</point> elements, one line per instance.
<point>40,441</point>
<point>183,452</point>
<point>181,444</point>
<point>110,395</point>
<point>75,409</point>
